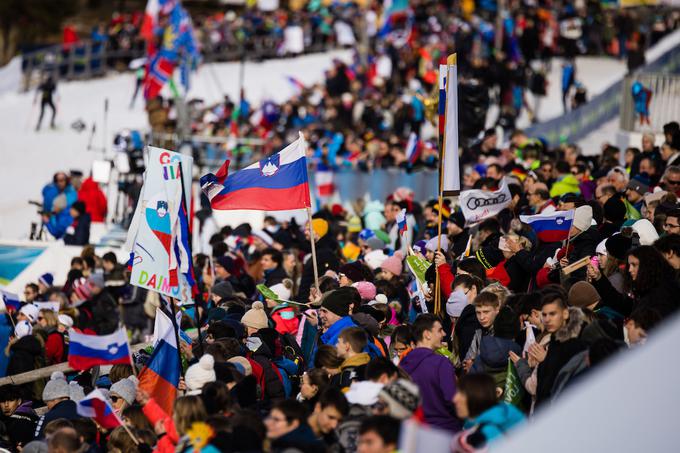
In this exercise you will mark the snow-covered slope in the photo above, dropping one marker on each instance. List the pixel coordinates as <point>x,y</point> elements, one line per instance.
<point>29,158</point>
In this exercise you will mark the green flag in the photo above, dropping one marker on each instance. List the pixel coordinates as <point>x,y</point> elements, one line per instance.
<point>266,292</point>
<point>418,266</point>
<point>514,390</point>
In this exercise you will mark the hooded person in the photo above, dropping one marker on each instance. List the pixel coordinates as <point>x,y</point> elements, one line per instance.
<point>56,396</point>
<point>326,258</point>
<point>584,238</point>
<point>646,231</point>
<point>284,316</point>
<point>25,351</point>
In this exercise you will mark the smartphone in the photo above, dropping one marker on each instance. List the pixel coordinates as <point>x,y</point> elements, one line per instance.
<point>503,244</point>
<point>595,262</point>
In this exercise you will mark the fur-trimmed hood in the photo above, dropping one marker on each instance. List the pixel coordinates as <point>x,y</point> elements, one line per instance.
<point>572,329</point>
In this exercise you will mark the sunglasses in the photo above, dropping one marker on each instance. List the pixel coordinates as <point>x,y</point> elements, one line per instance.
<point>40,318</point>
<point>114,399</point>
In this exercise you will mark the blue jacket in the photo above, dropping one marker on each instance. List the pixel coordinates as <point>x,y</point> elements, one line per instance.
<point>59,223</point>
<point>496,421</point>
<point>51,191</point>
<point>331,335</point>
<point>64,409</point>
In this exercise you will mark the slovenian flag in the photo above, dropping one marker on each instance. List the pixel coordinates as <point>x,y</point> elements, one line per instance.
<point>86,351</point>
<point>401,222</point>
<point>11,301</point>
<point>296,84</point>
<point>552,227</point>
<point>324,183</point>
<point>441,110</point>
<point>413,148</point>
<point>276,183</point>
<point>160,377</point>
<point>97,407</point>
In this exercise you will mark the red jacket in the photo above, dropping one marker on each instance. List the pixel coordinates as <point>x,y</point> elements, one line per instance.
<point>54,348</point>
<point>94,199</point>
<point>446,279</point>
<point>154,413</point>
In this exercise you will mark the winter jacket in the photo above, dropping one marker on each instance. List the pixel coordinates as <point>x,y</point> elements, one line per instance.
<point>285,320</point>
<point>576,366</point>
<point>78,233</point>
<point>465,329</point>
<point>564,344</point>
<point>99,314</point>
<point>326,259</point>
<point>51,191</point>
<point>55,347</point>
<point>301,438</point>
<point>154,413</point>
<point>446,279</point>
<point>273,385</point>
<point>25,355</point>
<point>274,276</point>
<point>564,184</point>
<point>21,424</point>
<point>63,409</point>
<point>94,199</point>
<point>59,223</point>
<point>493,357</point>
<point>352,369</point>
<point>436,379</point>
<point>583,245</point>
<point>662,298</point>
<point>331,335</point>
<point>496,421</point>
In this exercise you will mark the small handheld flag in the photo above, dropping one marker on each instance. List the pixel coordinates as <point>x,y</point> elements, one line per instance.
<point>11,301</point>
<point>551,227</point>
<point>96,406</point>
<point>401,222</point>
<point>413,148</point>
<point>86,351</point>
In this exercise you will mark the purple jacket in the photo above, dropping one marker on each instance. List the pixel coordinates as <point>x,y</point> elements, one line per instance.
<point>436,379</point>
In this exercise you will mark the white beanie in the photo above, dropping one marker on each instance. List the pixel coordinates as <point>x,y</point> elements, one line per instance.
<point>66,321</point>
<point>646,231</point>
<point>375,258</point>
<point>200,374</point>
<point>601,247</point>
<point>56,387</point>
<point>22,329</point>
<point>126,389</point>
<point>281,291</point>
<point>31,311</point>
<point>364,393</point>
<point>583,217</point>
<point>379,299</point>
<point>75,391</point>
<point>431,245</point>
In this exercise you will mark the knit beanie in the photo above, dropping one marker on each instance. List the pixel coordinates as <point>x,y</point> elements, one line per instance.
<point>281,290</point>
<point>402,398</point>
<point>393,264</point>
<point>645,231</point>
<point>458,218</point>
<point>82,289</point>
<point>22,329</point>
<point>56,387</point>
<point>351,251</point>
<point>126,388</point>
<point>583,294</point>
<point>46,279</point>
<point>364,393</point>
<point>242,364</point>
<point>66,321</point>
<point>320,227</point>
<point>419,247</point>
<point>614,210</point>
<point>601,247</point>
<point>618,246</point>
<point>31,311</point>
<point>375,258</point>
<point>506,325</point>
<point>336,302</point>
<point>353,271</point>
<point>375,243</point>
<point>456,302</point>
<point>583,217</point>
<point>255,317</point>
<point>223,290</point>
<point>199,374</point>
<point>366,290</point>
<point>75,392</point>
<point>354,224</point>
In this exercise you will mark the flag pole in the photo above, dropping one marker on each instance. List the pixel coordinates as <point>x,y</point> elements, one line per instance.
<point>175,327</point>
<point>309,220</point>
<point>127,430</point>
<point>566,249</point>
<point>191,257</point>
<point>132,362</point>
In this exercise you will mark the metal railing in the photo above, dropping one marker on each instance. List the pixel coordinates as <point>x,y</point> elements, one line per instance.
<point>87,59</point>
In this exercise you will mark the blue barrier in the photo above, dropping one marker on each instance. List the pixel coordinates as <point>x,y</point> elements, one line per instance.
<point>577,124</point>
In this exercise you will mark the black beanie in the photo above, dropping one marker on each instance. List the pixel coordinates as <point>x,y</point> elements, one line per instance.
<point>353,271</point>
<point>615,210</point>
<point>618,245</point>
<point>337,302</point>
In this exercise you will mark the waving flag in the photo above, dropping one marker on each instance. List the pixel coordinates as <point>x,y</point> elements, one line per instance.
<point>442,98</point>
<point>160,71</point>
<point>413,148</point>
<point>160,377</point>
<point>551,227</point>
<point>514,390</point>
<point>324,183</point>
<point>11,301</point>
<point>401,221</point>
<point>298,86</point>
<point>278,182</point>
<point>86,351</point>
<point>97,407</point>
